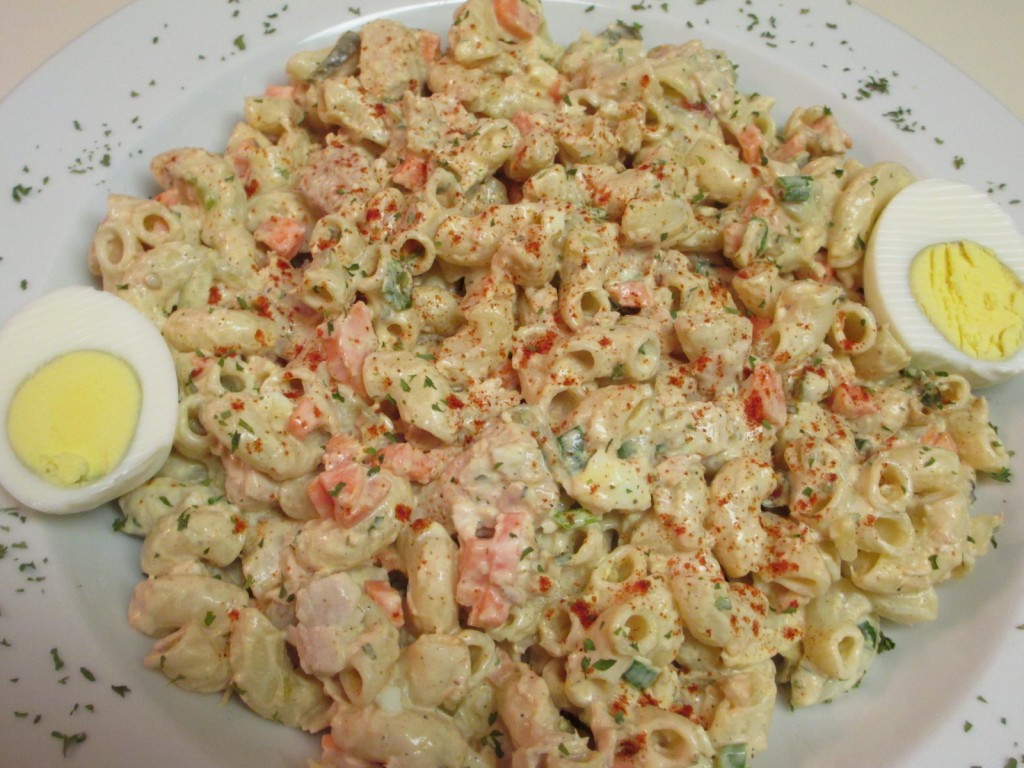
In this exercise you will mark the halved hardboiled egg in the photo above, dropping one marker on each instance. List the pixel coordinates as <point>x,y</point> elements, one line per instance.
<point>88,395</point>
<point>944,268</point>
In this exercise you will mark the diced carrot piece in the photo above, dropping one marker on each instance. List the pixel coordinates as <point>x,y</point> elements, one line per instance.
<point>412,173</point>
<point>851,400</point>
<point>555,90</point>
<point>630,293</point>
<point>751,143</point>
<point>352,342</point>
<point>305,417</point>
<point>387,597</point>
<point>938,438</point>
<point>517,18</point>
<point>524,121</point>
<point>764,399</point>
<point>283,236</point>
<point>347,493</point>
<point>760,325</point>
<point>491,609</point>
<point>410,462</point>
<point>169,197</point>
<point>791,149</point>
<point>321,498</point>
<point>732,237</point>
<point>430,46</point>
<point>280,91</point>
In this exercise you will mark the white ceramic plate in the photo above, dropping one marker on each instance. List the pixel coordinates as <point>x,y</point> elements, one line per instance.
<point>157,75</point>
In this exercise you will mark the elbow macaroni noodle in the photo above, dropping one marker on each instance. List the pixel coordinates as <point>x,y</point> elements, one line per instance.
<point>523,420</point>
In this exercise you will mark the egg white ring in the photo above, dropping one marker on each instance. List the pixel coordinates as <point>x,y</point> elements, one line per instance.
<point>925,213</point>
<point>88,319</point>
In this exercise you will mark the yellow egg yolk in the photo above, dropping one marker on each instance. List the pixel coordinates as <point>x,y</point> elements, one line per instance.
<point>971,297</point>
<point>72,421</point>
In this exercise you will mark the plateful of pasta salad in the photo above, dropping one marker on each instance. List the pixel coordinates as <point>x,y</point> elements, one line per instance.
<point>530,412</point>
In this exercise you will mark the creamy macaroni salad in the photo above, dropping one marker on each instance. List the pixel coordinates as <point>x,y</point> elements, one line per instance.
<point>530,412</point>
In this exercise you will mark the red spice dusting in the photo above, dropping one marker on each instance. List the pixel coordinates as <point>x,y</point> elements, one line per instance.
<point>618,708</point>
<point>686,710</point>
<point>805,506</point>
<point>215,296</point>
<point>696,106</point>
<point>377,430</point>
<point>403,512</point>
<point>454,403</point>
<point>852,400</point>
<point>599,195</point>
<point>240,524</point>
<point>754,408</point>
<point>252,187</point>
<point>237,405</point>
<point>540,346</point>
<point>372,214</point>
<point>679,529</point>
<point>262,306</point>
<point>701,363</point>
<point>631,745</point>
<point>544,584</point>
<point>315,357</point>
<point>583,612</point>
<point>639,587</point>
<point>779,568</point>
